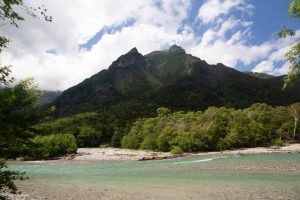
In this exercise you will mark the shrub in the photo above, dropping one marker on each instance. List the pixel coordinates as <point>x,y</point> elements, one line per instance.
<point>131,141</point>
<point>277,142</point>
<point>176,150</point>
<point>54,145</point>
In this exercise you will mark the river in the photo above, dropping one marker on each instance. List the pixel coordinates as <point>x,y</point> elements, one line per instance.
<point>261,176</point>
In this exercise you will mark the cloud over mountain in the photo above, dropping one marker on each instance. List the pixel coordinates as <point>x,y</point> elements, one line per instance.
<point>85,37</point>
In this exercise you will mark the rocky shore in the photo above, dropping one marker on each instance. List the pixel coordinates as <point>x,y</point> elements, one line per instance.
<point>143,155</point>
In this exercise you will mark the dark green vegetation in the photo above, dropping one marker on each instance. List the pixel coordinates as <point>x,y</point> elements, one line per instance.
<point>19,111</point>
<point>171,79</point>
<point>19,103</point>
<point>293,55</point>
<point>53,145</point>
<point>7,178</point>
<point>49,96</point>
<point>259,75</point>
<point>215,129</point>
<point>101,109</point>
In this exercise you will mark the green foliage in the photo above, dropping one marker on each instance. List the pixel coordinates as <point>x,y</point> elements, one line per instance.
<point>4,75</point>
<point>19,110</point>
<point>7,178</point>
<point>135,86</point>
<point>176,150</point>
<point>9,15</point>
<point>162,112</point>
<point>88,136</point>
<point>215,129</point>
<point>286,32</point>
<point>294,9</point>
<point>89,129</point>
<point>19,107</point>
<point>54,145</point>
<point>48,96</point>
<point>277,142</point>
<point>293,55</point>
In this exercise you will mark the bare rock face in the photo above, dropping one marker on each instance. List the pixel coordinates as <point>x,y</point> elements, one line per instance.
<point>176,49</point>
<point>132,58</point>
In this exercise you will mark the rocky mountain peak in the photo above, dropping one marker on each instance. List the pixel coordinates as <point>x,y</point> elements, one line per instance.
<point>176,49</point>
<point>132,58</point>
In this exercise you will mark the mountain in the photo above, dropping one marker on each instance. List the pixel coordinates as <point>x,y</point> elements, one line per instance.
<point>49,96</point>
<point>173,79</point>
<point>259,75</point>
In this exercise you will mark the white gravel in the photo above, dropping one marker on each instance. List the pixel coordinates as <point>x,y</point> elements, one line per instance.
<point>127,154</point>
<point>115,154</point>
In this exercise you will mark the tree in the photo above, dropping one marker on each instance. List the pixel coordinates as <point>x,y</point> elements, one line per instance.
<point>293,55</point>
<point>19,110</point>
<point>17,104</point>
<point>295,112</point>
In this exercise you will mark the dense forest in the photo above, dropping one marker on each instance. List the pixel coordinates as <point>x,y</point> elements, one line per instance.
<point>214,129</point>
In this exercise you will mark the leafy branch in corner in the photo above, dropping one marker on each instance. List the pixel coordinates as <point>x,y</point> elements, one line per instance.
<point>7,178</point>
<point>293,55</point>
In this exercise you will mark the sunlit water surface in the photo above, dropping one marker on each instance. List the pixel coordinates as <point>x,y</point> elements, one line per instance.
<point>268,176</point>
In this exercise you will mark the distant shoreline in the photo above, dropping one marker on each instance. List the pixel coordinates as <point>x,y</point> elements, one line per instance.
<point>116,154</point>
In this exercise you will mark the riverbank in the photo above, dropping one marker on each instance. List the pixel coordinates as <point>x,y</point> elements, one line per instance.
<point>127,154</point>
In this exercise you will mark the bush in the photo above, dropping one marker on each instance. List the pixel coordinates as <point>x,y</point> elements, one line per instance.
<point>176,150</point>
<point>277,142</point>
<point>131,141</point>
<point>54,145</point>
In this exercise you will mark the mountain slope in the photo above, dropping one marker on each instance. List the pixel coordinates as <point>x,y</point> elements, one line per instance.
<point>172,79</point>
<point>49,96</point>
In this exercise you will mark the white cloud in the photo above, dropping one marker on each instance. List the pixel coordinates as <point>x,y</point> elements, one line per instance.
<point>157,24</point>
<point>277,57</point>
<point>74,23</point>
<point>227,39</point>
<point>212,9</point>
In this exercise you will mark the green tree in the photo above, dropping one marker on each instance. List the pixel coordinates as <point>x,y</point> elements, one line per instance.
<point>54,145</point>
<point>19,110</point>
<point>88,136</point>
<point>293,55</point>
<point>17,104</point>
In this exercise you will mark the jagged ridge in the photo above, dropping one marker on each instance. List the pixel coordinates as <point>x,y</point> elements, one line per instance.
<point>173,79</point>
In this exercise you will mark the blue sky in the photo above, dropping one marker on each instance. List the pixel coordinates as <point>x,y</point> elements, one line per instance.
<point>86,38</point>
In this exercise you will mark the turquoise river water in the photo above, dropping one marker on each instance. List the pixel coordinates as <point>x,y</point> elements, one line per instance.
<point>264,176</point>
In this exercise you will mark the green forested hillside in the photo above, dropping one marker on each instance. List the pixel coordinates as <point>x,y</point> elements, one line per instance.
<point>49,96</point>
<point>175,80</point>
<point>214,129</point>
<point>134,86</point>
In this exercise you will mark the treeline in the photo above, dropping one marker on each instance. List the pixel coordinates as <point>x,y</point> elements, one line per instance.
<point>19,112</point>
<point>92,129</point>
<point>215,129</point>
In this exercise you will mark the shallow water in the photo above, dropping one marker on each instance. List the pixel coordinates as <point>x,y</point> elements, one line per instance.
<point>266,176</point>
